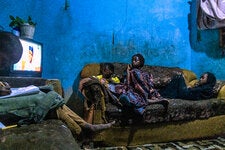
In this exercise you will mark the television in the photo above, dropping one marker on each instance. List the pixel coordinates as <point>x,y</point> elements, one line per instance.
<point>30,63</point>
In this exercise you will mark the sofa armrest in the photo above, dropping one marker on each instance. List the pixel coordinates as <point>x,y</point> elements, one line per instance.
<point>221,94</point>
<point>15,82</point>
<point>56,85</point>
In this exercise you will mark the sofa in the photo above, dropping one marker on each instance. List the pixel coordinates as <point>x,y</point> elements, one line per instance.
<point>183,119</point>
<point>48,134</point>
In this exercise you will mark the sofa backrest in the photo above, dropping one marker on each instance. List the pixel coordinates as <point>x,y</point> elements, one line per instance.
<point>162,75</point>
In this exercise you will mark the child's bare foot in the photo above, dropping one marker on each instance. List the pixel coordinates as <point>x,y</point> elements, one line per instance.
<point>99,127</point>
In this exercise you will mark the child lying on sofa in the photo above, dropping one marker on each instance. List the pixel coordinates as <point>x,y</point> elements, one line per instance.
<point>203,89</point>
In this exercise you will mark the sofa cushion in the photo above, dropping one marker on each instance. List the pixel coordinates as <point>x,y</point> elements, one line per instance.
<point>192,83</point>
<point>90,70</point>
<point>190,77</point>
<point>221,94</point>
<point>216,89</point>
<point>178,110</point>
<point>184,110</point>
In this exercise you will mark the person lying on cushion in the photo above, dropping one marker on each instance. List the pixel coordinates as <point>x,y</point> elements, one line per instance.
<point>203,89</point>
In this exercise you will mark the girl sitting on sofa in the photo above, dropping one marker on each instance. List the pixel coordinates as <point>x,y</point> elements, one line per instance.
<point>140,90</point>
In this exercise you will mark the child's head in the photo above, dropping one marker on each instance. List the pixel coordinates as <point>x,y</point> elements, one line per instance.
<point>106,69</point>
<point>10,49</point>
<point>137,61</point>
<point>207,78</point>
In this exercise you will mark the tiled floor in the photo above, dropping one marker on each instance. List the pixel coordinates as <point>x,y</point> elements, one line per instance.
<point>217,143</point>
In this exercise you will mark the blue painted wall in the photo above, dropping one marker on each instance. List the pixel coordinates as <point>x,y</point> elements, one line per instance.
<point>113,30</point>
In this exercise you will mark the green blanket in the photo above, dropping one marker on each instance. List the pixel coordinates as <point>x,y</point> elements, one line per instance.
<point>31,108</point>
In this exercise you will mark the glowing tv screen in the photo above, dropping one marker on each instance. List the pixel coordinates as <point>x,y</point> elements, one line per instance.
<point>30,63</point>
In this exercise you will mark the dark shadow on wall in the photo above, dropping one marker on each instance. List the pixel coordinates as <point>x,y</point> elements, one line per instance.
<point>75,101</point>
<point>205,41</point>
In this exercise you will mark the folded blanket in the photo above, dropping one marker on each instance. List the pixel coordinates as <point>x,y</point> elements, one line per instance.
<point>30,108</point>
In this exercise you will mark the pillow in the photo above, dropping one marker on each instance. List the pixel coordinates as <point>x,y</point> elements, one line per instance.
<point>221,94</point>
<point>192,83</point>
<point>90,70</point>
<point>219,89</point>
<point>189,76</point>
